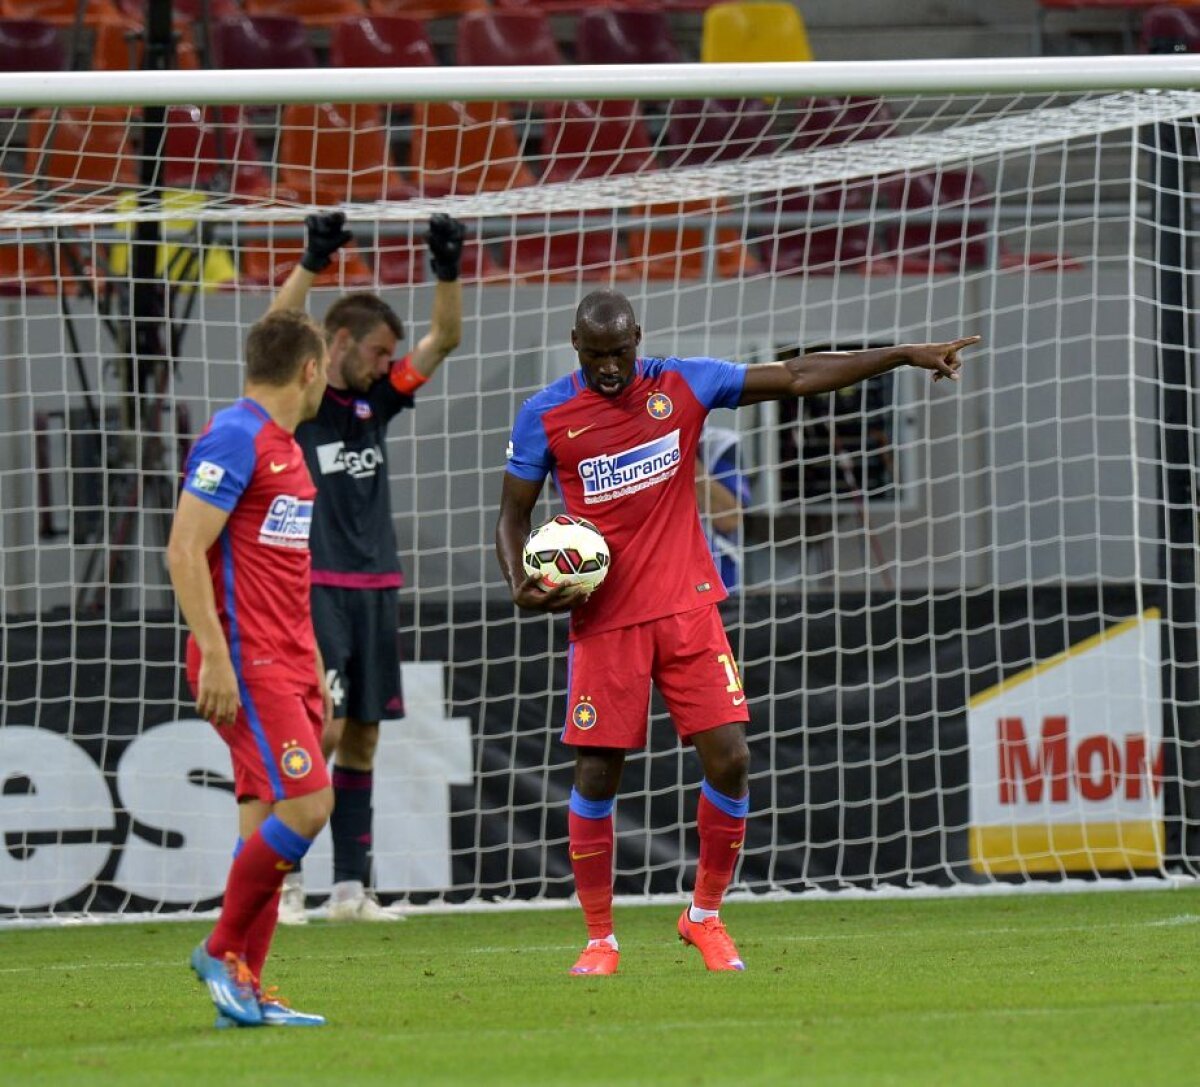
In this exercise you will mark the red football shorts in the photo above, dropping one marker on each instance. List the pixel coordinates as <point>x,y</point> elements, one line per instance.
<point>275,741</point>
<point>686,656</point>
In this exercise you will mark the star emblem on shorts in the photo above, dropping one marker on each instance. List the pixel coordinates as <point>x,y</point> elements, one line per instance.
<point>584,715</point>
<point>296,762</point>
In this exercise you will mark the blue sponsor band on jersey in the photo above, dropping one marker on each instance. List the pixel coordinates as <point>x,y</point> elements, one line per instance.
<point>640,465</point>
<point>288,522</point>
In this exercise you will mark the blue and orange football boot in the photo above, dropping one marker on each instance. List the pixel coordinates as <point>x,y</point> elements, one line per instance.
<point>276,1012</point>
<point>709,937</point>
<point>230,984</point>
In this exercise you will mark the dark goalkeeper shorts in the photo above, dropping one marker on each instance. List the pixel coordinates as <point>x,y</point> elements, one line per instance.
<point>358,632</point>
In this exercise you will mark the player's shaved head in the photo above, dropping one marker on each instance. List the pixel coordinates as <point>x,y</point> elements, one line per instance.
<point>605,310</point>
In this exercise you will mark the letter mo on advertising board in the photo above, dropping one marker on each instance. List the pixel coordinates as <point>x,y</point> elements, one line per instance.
<point>1066,759</point>
<point>165,814</point>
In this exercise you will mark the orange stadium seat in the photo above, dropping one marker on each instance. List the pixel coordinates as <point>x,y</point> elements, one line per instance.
<point>63,13</point>
<point>82,153</point>
<point>463,148</point>
<point>266,261</point>
<point>331,154</point>
<point>120,49</point>
<point>312,13</point>
<point>584,140</point>
<point>426,9</point>
<point>681,250</point>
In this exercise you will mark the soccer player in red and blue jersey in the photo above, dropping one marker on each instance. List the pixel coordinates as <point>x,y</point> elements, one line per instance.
<point>620,437</point>
<point>239,561</point>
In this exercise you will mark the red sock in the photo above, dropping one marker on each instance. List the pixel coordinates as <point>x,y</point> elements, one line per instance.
<point>721,838</point>
<point>254,879</point>
<point>258,939</point>
<point>591,843</point>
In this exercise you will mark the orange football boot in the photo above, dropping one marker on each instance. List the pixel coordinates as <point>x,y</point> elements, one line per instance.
<point>598,958</point>
<point>710,938</point>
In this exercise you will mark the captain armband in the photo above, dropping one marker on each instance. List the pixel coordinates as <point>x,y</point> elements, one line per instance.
<point>406,379</point>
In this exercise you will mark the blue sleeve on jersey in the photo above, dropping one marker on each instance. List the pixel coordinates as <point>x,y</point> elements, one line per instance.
<point>221,463</point>
<point>529,449</point>
<point>716,382</point>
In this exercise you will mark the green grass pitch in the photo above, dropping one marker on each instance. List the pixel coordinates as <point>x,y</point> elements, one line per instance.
<point>1098,988</point>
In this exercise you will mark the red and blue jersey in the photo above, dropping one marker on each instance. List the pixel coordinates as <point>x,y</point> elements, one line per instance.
<point>247,465</point>
<point>627,464</point>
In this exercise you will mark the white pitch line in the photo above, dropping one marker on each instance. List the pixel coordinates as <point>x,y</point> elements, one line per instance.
<point>527,949</point>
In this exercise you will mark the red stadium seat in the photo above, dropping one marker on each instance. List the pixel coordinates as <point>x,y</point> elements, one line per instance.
<point>700,132</point>
<point>312,13</point>
<point>506,38</point>
<point>606,35</point>
<point>828,248</point>
<point>1170,29</point>
<point>212,149</point>
<point>380,41</point>
<point>30,45</point>
<point>828,122</point>
<point>262,41</point>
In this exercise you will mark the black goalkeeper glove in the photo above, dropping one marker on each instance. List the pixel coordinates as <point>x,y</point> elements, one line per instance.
<point>445,240</point>
<point>326,234</point>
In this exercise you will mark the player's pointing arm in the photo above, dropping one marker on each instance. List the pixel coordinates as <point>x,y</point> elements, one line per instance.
<point>825,371</point>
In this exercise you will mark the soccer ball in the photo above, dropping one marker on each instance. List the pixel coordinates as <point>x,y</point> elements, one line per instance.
<point>566,551</point>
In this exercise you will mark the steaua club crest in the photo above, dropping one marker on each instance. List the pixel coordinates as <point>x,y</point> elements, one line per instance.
<point>659,406</point>
<point>584,715</point>
<point>296,762</point>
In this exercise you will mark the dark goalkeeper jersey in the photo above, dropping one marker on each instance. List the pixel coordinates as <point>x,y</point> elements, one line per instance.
<point>353,542</point>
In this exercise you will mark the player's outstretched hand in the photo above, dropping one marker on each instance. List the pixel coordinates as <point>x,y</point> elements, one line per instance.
<point>325,234</point>
<point>941,358</point>
<point>445,240</point>
<point>531,596</point>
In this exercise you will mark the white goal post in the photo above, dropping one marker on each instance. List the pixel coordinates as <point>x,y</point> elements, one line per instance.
<point>965,615</point>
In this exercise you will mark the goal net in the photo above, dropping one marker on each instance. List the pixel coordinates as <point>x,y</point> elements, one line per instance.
<point>964,613</point>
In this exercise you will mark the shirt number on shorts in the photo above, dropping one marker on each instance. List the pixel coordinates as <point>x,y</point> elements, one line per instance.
<point>334,682</point>
<point>731,673</point>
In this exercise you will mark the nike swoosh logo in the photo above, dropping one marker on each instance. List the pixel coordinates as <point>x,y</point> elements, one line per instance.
<point>739,701</point>
<point>576,433</point>
<point>278,467</point>
<point>738,844</point>
<point>284,866</point>
<point>584,856</point>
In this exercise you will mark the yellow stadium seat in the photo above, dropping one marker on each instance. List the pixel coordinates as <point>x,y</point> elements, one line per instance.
<point>741,33</point>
